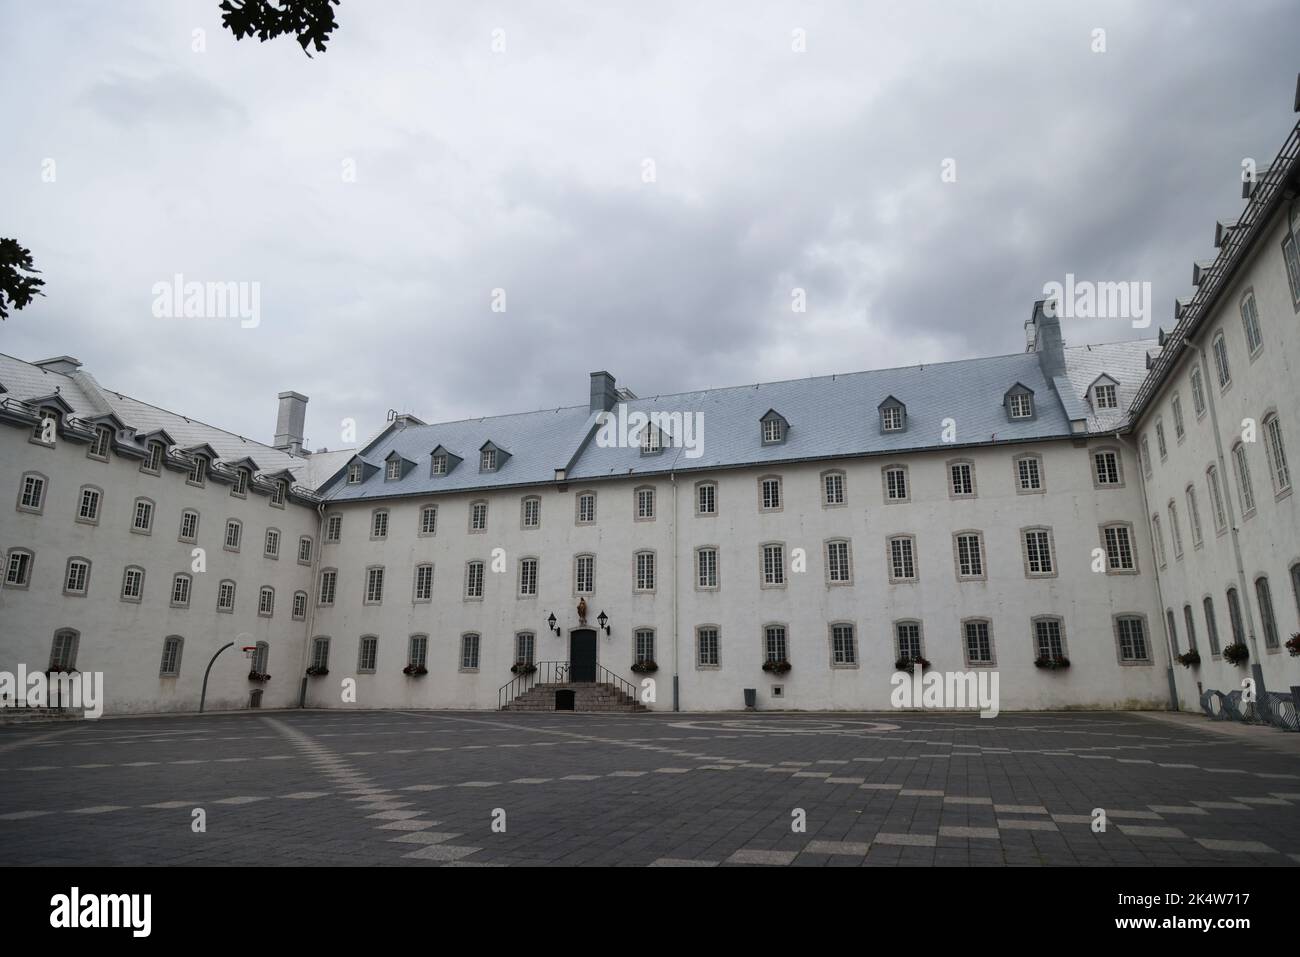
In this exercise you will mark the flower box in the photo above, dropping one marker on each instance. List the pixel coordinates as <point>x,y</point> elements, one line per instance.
<point>645,667</point>
<point>317,672</point>
<point>415,670</point>
<point>1293,645</point>
<point>1189,659</point>
<point>258,676</point>
<point>909,664</point>
<point>776,667</point>
<point>1236,653</point>
<point>523,668</point>
<point>1052,662</point>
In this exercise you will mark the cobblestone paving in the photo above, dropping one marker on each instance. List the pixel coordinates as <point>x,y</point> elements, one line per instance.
<point>420,788</point>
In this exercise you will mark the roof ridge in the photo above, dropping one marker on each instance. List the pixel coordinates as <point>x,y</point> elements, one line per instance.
<point>194,421</point>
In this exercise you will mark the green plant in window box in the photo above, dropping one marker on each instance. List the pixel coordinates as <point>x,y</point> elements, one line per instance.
<point>1236,653</point>
<point>1052,662</point>
<point>779,667</point>
<point>1293,645</point>
<point>1190,659</point>
<point>910,664</point>
<point>415,670</point>
<point>523,668</point>
<point>317,671</point>
<point>258,676</point>
<point>645,667</point>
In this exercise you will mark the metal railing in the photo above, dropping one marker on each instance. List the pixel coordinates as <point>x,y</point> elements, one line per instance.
<point>1270,707</point>
<point>557,673</point>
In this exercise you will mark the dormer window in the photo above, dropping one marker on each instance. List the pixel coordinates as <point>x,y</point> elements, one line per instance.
<point>393,470</point>
<point>1019,402</point>
<point>893,416</point>
<point>354,473</point>
<point>651,440</point>
<point>240,488</point>
<point>439,465</point>
<point>487,460</point>
<point>278,494</point>
<point>99,447</point>
<point>774,427</point>
<point>46,426</point>
<point>153,459</point>
<point>198,470</point>
<point>1104,396</point>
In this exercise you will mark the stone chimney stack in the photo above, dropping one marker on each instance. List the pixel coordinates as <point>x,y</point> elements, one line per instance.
<point>289,422</point>
<point>1043,336</point>
<point>604,396</point>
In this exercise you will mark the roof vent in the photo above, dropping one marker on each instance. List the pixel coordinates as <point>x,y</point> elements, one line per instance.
<point>63,364</point>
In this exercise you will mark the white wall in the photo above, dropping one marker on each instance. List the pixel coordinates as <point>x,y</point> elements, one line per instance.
<point>124,640</point>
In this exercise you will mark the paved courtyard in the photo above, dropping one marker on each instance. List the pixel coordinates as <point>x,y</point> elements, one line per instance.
<point>475,788</point>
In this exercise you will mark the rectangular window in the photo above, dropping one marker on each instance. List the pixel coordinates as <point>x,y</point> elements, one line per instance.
<point>771,493</point>
<point>240,488</point>
<point>320,653</point>
<point>374,586</point>
<point>586,508</point>
<point>525,645</point>
<point>706,565</point>
<point>153,460</point>
<point>429,520</point>
<point>706,499</point>
<point>707,649</point>
<point>233,533</point>
<point>528,577</point>
<point>1176,409</point>
<point>487,461</point>
<point>979,643</point>
<point>368,654</point>
<point>1146,457</point>
<point>1175,531</point>
<point>833,487</point>
<point>891,418</point>
<point>88,511</point>
<point>645,504</point>
<point>304,550</point>
<point>771,431</point>
<point>970,558</point>
<point>189,526</point>
<point>99,447</point>
<point>1244,486</point>
<point>478,517</point>
<point>278,495</point>
<point>328,581</point>
<point>439,466</point>
<point>1291,256</point>
<point>379,523</point>
<point>1194,516</point>
<point>844,649</point>
<point>532,514</point>
<point>181,590</point>
<point>908,636</point>
<point>1047,638</point>
<point>333,529</point>
<point>896,484</point>
<point>469,652</point>
<point>1157,536</point>
<point>226,596</point>
<point>774,643</point>
<point>78,572</point>
<point>1038,552</point>
<point>645,645</point>
<point>1198,392</point>
<point>584,574</point>
<point>272,548</point>
<point>1160,440</point>
<point>1021,406</point>
<point>902,558</point>
<point>1105,397</point>
<point>299,605</point>
<point>963,481</point>
<point>1119,548</point>
<point>645,571</point>
<point>1268,621</point>
<point>198,470</point>
<point>773,565</point>
<point>1029,473</point>
<point>417,651</point>
<point>474,580</point>
<point>424,582</point>
<point>1220,348</point>
<point>1277,455</point>
<point>19,569</point>
<point>837,562</point>
<point>393,470</point>
<point>1216,499</point>
<point>1107,467</point>
<point>266,602</point>
<point>1132,638</point>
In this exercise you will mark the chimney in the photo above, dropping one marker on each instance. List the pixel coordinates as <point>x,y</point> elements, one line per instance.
<point>604,395</point>
<point>1045,339</point>
<point>289,423</point>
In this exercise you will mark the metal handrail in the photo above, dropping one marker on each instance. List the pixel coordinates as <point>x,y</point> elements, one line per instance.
<point>621,684</point>
<point>557,673</point>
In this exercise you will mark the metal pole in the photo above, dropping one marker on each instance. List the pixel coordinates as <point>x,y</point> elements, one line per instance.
<point>204,696</point>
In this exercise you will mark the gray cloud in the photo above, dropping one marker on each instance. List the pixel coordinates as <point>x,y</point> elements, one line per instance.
<point>523,171</point>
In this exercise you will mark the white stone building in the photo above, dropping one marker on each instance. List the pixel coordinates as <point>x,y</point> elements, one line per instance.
<point>994,514</point>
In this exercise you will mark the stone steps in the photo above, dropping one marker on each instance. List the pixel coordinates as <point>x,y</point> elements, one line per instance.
<point>587,696</point>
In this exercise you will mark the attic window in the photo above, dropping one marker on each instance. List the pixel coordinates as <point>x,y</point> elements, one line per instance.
<point>891,418</point>
<point>1104,396</point>
<point>153,461</point>
<point>198,469</point>
<point>278,495</point>
<point>240,488</point>
<point>393,471</point>
<point>651,441</point>
<point>439,465</point>
<point>487,460</point>
<point>354,473</point>
<point>1021,405</point>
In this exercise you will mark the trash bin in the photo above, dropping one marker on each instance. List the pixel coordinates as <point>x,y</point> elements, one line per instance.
<point>255,698</point>
<point>751,699</point>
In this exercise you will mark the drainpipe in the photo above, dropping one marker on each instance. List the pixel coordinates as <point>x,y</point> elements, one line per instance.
<point>1256,670</point>
<point>1169,638</point>
<point>672,477</point>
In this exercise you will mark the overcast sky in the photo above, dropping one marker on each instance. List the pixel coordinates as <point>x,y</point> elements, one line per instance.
<point>525,170</point>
